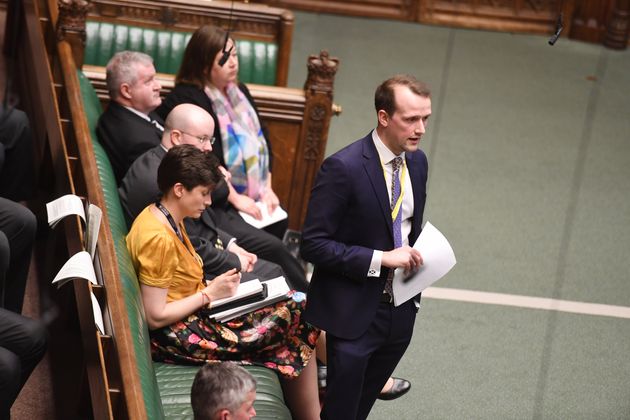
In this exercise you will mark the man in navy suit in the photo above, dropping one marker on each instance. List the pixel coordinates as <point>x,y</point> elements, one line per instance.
<point>356,236</point>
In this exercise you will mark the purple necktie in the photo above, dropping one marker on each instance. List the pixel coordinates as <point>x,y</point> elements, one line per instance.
<point>396,223</point>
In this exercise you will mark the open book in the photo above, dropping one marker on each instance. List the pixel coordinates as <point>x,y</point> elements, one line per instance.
<point>79,266</point>
<point>71,204</point>
<point>277,289</point>
<point>267,219</point>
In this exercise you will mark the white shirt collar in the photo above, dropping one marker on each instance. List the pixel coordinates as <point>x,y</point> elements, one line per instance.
<point>384,153</point>
<point>138,113</point>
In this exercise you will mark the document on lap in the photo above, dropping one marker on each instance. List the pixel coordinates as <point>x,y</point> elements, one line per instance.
<point>277,290</point>
<point>438,259</point>
<point>267,219</point>
<point>246,292</point>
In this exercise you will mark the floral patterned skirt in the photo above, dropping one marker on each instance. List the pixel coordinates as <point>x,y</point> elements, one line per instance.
<point>274,336</point>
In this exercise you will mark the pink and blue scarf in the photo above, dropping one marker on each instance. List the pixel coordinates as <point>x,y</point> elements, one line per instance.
<point>244,147</point>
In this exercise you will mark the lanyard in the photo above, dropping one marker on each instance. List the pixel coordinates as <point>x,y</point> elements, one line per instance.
<point>170,219</point>
<point>398,204</point>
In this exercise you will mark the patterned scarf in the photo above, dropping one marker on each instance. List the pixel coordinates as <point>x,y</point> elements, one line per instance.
<point>244,146</point>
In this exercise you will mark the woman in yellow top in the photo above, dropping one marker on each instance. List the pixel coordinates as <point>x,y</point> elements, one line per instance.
<point>175,295</point>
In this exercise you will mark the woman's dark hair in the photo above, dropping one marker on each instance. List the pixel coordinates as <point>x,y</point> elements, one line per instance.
<point>203,47</point>
<point>385,98</point>
<point>189,166</point>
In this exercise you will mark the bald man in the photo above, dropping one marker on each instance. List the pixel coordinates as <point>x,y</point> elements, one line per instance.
<point>190,124</point>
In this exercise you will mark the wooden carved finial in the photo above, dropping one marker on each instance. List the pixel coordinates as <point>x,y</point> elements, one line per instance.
<point>618,26</point>
<point>321,72</point>
<point>71,25</point>
<point>319,94</point>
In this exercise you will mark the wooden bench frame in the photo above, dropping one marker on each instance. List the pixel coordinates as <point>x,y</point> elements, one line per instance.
<point>51,96</point>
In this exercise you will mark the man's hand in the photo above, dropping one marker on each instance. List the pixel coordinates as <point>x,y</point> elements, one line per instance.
<point>247,259</point>
<point>404,257</point>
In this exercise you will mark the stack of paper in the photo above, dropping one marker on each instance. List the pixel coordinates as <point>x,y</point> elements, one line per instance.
<point>248,292</point>
<point>277,290</point>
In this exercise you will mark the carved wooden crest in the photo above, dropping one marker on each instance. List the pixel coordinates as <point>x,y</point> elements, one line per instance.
<point>72,16</point>
<point>321,72</point>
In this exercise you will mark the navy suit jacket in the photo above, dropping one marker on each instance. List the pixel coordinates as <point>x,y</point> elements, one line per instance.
<point>125,136</point>
<point>349,217</point>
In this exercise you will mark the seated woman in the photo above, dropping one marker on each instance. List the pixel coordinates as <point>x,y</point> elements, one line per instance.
<point>175,295</point>
<point>241,146</point>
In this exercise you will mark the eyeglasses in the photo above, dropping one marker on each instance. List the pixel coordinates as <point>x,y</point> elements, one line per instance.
<point>202,139</point>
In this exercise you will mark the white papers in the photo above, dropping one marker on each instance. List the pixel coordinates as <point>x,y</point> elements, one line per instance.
<point>95,214</point>
<point>70,204</point>
<point>98,315</point>
<point>267,219</point>
<point>438,258</point>
<point>78,266</point>
<point>248,288</point>
<point>277,290</point>
<point>64,206</point>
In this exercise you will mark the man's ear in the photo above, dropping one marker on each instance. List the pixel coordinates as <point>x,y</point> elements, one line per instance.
<point>176,137</point>
<point>224,414</point>
<point>383,117</point>
<point>125,91</point>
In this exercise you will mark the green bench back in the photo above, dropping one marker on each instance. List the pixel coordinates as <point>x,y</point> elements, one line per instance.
<point>128,278</point>
<point>257,59</point>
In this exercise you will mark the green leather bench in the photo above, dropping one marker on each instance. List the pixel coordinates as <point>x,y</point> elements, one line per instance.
<point>166,387</point>
<point>257,59</point>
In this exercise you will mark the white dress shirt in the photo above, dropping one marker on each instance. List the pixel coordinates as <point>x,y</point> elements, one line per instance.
<point>386,156</point>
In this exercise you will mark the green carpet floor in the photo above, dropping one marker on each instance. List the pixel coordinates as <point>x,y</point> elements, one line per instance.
<point>529,154</point>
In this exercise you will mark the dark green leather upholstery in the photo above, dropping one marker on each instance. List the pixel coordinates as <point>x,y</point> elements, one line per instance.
<point>166,387</point>
<point>257,59</point>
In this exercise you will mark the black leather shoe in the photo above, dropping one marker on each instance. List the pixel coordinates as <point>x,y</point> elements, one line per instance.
<point>399,388</point>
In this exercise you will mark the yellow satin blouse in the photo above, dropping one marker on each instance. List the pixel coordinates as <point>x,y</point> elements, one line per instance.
<point>161,259</point>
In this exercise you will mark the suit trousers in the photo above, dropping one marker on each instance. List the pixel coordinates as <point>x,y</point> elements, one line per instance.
<point>16,155</point>
<point>359,368</point>
<point>22,346</point>
<point>18,227</point>
<point>263,244</point>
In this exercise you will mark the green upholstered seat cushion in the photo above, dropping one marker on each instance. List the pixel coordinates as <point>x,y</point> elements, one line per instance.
<point>257,59</point>
<point>176,381</point>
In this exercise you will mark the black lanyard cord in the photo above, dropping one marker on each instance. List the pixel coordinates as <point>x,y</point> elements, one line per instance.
<point>170,219</point>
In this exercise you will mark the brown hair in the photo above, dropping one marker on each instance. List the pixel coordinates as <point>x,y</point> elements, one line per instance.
<point>204,45</point>
<point>385,99</point>
<point>190,167</point>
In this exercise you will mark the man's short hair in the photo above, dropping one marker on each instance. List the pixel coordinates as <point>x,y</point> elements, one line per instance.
<point>121,69</point>
<point>189,166</point>
<point>385,99</point>
<point>219,386</point>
